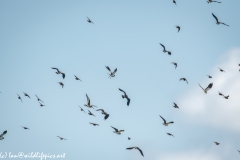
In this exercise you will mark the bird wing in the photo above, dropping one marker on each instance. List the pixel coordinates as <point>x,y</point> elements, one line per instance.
<point>122,91</point>
<point>115,129</point>
<point>202,88</point>
<point>217,1</point>
<point>130,148</point>
<point>63,75</point>
<point>3,133</point>
<point>108,68</point>
<point>128,101</point>
<point>163,119</point>
<point>88,18</point>
<point>100,110</point>
<point>224,24</point>
<point>140,151</point>
<point>215,17</point>
<point>106,116</point>
<point>162,46</point>
<point>180,79</point>
<point>56,69</point>
<point>88,100</point>
<point>115,71</point>
<point>186,81</point>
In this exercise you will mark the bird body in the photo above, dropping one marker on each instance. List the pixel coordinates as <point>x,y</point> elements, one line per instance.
<point>175,105</point>
<point>178,27</point>
<point>19,98</point>
<point>25,128</point>
<point>89,20</point>
<point>170,134</point>
<point>210,1</point>
<point>82,109</point>
<point>216,143</point>
<point>117,131</point>
<point>61,138</point>
<point>208,87</point>
<point>77,78</point>
<point>25,94</point>
<point>61,84</point>
<point>94,124</point>
<point>125,96</point>
<point>38,98</point>
<point>90,113</point>
<point>175,64</point>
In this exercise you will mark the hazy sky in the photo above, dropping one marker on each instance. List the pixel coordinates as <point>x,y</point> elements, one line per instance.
<point>37,35</point>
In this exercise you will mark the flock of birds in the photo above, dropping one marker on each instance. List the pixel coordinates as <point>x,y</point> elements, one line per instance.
<point>124,96</point>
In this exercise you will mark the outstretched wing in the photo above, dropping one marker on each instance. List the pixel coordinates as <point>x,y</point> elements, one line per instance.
<point>224,24</point>
<point>140,151</point>
<point>202,88</point>
<point>108,68</point>
<point>130,148</point>
<point>162,46</point>
<point>122,91</point>
<point>63,75</point>
<point>163,119</point>
<point>100,110</point>
<point>215,17</point>
<point>115,129</point>
<point>106,116</point>
<point>115,71</point>
<point>216,1</point>
<point>128,101</point>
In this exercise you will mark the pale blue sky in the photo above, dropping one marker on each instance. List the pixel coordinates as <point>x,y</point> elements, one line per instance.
<point>37,35</point>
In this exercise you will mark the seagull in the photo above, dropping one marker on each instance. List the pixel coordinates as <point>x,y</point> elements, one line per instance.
<point>117,131</point>
<point>25,94</point>
<point>209,76</point>
<point>61,138</point>
<point>178,27</point>
<point>25,128</point>
<point>137,149</point>
<point>19,98</point>
<point>88,103</point>
<point>125,96</point>
<point>174,1</point>
<point>216,143</point>
<point>175,105</point>
<point>166,123</point>
<point>61,84</point>
<point>208,87</point>
<point>90,113</point>
<point>41,104</point>
<point>129,138</point>
<point>170,134</point>
<point>226,97</point>
<point>1,136</point>
<point>89,20</point>
<point>112,74</point>
<point>210,1</point>
<point>221,70</point>
<point>103,112</point>
<point>175,64</point>
<point>164,50</point>
<point>59,72</point>
<point>184,79</point>
<point>218,21</point>
<point>77,78</point>
<point>220,93</point>
<point>82,109</point>
<point>94,124</point>
<point>38,98</point>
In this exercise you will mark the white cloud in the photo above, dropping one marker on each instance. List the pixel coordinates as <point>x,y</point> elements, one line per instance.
<point>212,109</point>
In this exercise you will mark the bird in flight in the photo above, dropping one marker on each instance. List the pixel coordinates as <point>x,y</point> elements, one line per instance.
<point>175,64</point>
<point>226,97</point>
<point>59,72</point>
<point>1,136</point>
<point>25,128</point>
<point>41,104</point>
<point>174,1</point>
<point>170,134</point>
<point>61,138</point>
<point>61,84</point>
<point>82,109</point>
<point>137,149</point>
<point>90,113</point>
<point>221,70</point>
<point>38,98</point>
<point>125,96</point>
<point>164,50</point>
<point>178,27</point>
<point>217,22</point>
<point>112,74</point>
<point>103,112</point>
<point>209,76</point>
<point>129,138</point>
<point>19,98</point>
<point>117,131</point>
<point>208,87</point>
<point>184,79</point>
<point>210,1</point>
<point>88,103</point>
<point>89,20</point>
<point>216,143</point>
<point>175,105</point>
<point>77,78</point>
<point>94,124</point>
<point>25,94</point>
<point>166,123</point>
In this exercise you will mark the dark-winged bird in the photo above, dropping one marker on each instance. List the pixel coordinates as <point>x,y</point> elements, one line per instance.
<point>125,96</point>
<point>208,87</point>
<point>88,103</point>
<point>166,123</point>
<point>59,72</point>
<point>25,128</point>
<point>217,22</point>
<point>82,109</point>
<point>89,20</point>
<point>174,1</point>
<point>184,79</point>
<point>38,98</point>
<point>209,76</point>
<point>221,70</point>
<point>25,94</point>
<point>19,98</point>
<point>220,93</point>
<point>77,78</point>
<point>210,1</point>
<point>178,27</point>
<point>170,134</point>
<point>103,112</point>
<point>117,131</point>
<point>61,84</point>
<point>129,138</point>
<point>1,136</point>
<point>164,50</point>
<point>112,74</point>
<point>61,138</point>
<point>137,149</point>
<point>175,64</point>
<point>226,97</point>
<point>175,105</point>
<point>94,124</point>
<point>216,143</point>
<point>41,104</point>
<point>90,113</point>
